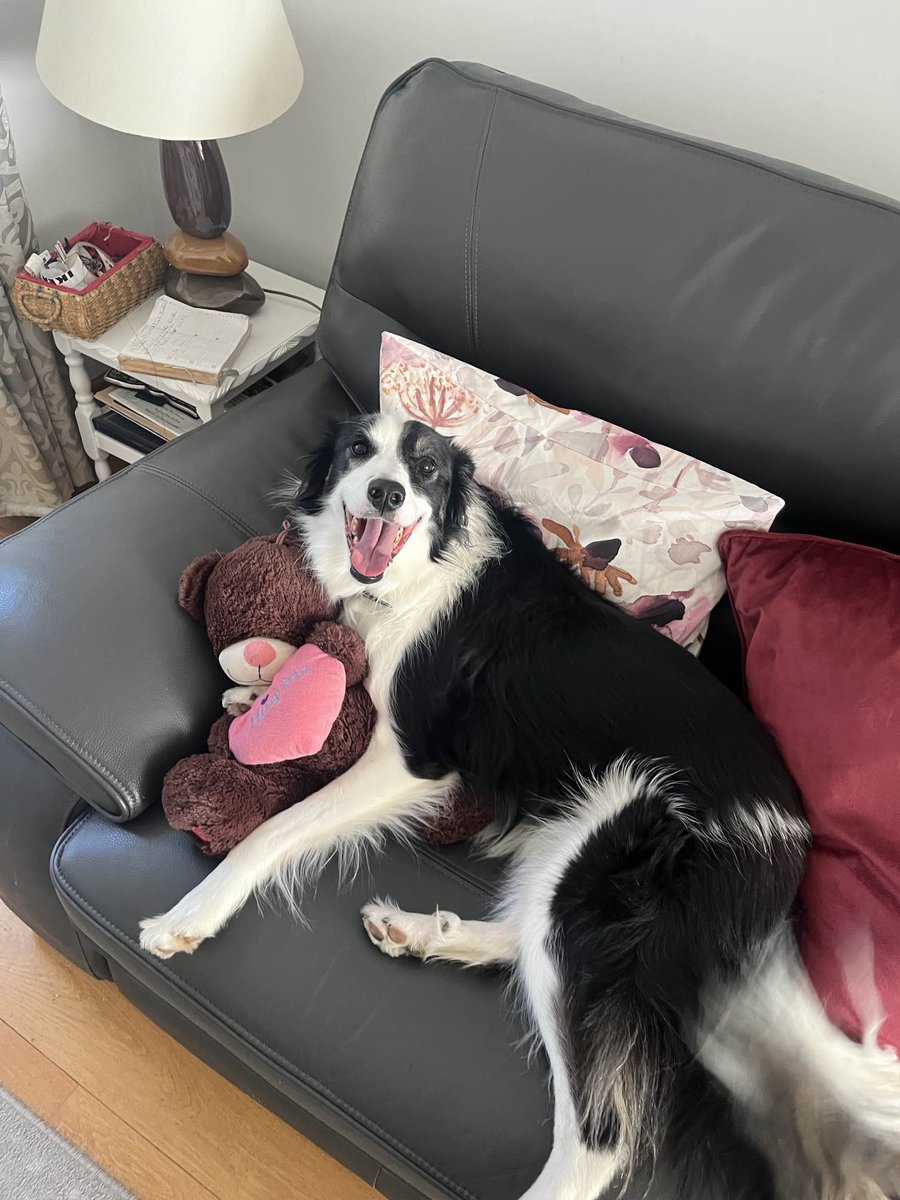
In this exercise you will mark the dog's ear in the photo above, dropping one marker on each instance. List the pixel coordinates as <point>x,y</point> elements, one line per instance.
<point>314,475</point>
<point>460,487</point>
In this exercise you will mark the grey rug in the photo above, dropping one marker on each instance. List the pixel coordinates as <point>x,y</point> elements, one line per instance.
<point>37,1164</point>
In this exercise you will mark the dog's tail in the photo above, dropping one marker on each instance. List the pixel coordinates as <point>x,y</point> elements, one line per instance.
<point>824,1109</point>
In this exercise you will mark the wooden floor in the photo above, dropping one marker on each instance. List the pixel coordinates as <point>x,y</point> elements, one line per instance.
<point>163,1123</point>
<point>10,525</point>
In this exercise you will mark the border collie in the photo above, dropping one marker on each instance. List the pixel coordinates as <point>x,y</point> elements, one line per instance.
<point>655,839</point>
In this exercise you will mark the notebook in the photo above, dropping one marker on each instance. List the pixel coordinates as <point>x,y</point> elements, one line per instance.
<point>181,342</point>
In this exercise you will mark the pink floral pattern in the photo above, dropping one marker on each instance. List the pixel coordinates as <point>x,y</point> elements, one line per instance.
<point>430,397</point>
<point>638,521</point>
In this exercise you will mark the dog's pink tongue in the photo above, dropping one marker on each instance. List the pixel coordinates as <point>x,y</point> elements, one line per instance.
<point>372,553</point>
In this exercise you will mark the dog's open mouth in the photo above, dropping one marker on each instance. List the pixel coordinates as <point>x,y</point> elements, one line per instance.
<point>374,544</point>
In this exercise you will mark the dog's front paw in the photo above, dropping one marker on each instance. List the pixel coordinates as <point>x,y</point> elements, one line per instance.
<point>162,936</point>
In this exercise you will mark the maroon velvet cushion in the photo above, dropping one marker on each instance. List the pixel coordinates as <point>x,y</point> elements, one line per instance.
<point>820,623</point>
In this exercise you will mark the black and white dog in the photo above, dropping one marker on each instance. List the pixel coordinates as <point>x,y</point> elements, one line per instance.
<point>655,862</point>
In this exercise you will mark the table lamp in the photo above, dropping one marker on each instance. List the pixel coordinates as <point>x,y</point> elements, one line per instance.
<point>187,72</point>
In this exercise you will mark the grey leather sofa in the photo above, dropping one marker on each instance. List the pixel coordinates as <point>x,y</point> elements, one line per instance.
<point>742,309</point>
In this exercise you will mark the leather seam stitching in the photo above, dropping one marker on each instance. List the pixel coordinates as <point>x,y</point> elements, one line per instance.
<point>244,526</point>
<point>470,882</point>
<point>80,939</point>
<point>67,740</point>
<point>469,233</point>
<point>476,209</point>
<point>466,253</point>
<point>235,1026</point>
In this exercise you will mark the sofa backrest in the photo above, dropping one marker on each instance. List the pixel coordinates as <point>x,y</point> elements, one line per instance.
<point>741,309</point>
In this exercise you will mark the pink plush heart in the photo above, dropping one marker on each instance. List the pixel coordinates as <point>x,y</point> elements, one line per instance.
<point>294,717</point>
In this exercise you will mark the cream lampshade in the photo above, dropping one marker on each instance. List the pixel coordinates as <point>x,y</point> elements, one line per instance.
<point>186,72</point>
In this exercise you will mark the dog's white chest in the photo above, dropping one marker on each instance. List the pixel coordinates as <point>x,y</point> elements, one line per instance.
<point>387,635</point>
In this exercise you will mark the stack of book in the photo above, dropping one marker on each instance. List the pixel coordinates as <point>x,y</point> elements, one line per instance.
<point>177,342</point>
<point>142,424</point>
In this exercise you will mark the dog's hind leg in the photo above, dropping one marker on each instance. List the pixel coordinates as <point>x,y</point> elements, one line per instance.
<point>584,1161</point>
<point>574,1170</point>
<point>439,935</point>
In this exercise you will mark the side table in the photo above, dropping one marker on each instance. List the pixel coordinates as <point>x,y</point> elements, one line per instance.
<point>281,327</point>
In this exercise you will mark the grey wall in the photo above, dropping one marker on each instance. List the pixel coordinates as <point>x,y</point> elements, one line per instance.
<point>813,81</point>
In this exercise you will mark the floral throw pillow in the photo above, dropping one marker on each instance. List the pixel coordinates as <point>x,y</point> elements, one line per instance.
<point>639,522</point>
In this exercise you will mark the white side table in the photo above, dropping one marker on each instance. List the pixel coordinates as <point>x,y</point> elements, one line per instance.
<point>279,328</point>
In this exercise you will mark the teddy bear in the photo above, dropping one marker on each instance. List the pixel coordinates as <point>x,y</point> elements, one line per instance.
<point>297,715</point>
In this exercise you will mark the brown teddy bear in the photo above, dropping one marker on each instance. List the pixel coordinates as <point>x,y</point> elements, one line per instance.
<point>295,719</point>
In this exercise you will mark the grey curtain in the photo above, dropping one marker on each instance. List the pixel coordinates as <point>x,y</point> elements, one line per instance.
<point>42,460</point>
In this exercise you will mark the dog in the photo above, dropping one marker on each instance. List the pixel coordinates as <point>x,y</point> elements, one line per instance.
<point>655,840</point>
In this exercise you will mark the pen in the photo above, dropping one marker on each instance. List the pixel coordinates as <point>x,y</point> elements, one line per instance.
<point>161,400</point>
<point>185,408</point>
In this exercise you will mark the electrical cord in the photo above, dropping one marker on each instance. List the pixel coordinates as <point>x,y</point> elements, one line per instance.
<point>291,296</point>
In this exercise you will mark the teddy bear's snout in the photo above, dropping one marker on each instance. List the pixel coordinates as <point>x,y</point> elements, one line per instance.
<point>258,653</point>
<point>255,660</point>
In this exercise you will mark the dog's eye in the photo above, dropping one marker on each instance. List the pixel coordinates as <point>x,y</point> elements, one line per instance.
<point>427,466</point>
<point>359,448</point>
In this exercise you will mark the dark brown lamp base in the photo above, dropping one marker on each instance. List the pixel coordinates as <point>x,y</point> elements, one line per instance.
<point>227,293</point>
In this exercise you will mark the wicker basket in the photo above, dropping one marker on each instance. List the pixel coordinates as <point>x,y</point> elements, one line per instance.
<point>87,314</point>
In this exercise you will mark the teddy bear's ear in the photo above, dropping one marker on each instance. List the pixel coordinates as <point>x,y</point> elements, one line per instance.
<point>192,586</point>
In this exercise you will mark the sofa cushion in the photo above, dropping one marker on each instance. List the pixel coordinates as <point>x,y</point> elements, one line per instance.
<point>820,622</point>
<point>638,520</point>
<point>418,1063</point>
<point>421,1071</point>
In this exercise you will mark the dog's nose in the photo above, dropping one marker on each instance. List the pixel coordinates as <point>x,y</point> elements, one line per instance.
<point>386,494</point>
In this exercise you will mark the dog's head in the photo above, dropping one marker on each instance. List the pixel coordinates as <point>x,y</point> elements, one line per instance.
<point>380,498</point>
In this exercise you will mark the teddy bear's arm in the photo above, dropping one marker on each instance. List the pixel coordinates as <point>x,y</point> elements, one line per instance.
<point>345,645</point>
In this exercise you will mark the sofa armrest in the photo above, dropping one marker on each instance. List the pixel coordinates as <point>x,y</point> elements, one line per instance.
<point>101,673</point>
